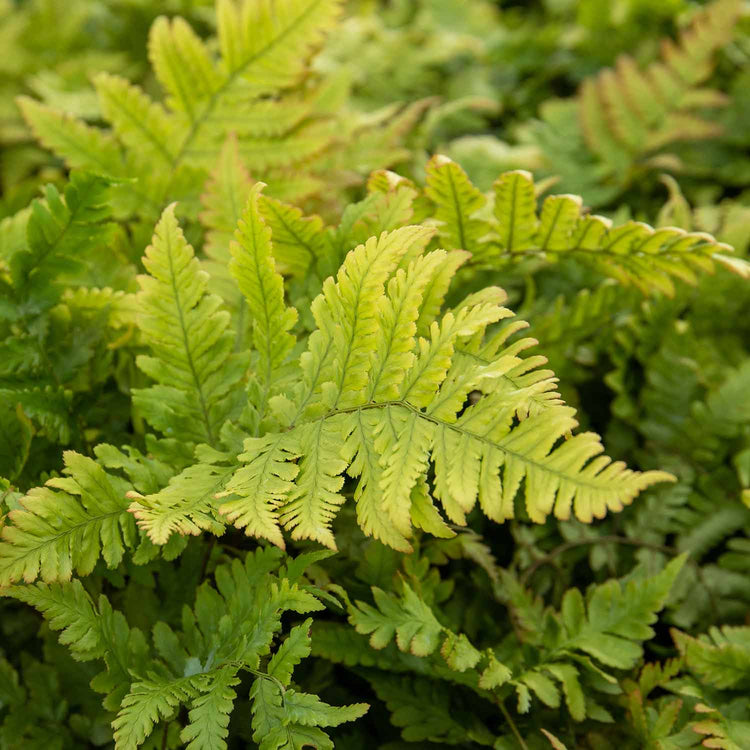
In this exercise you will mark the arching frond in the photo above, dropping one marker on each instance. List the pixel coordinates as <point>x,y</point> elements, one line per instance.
<point>385,405</point>
<point>633,253</point>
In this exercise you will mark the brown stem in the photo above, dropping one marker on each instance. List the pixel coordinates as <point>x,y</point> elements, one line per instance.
<point>549,558</point>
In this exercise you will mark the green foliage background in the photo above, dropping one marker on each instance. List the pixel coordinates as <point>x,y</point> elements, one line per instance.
<point>281,465</point>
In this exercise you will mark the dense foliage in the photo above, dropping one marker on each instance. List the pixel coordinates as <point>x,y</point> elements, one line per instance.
<point>323,421</point>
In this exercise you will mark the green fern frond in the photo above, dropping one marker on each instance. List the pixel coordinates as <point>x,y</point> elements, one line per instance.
<point>408,619</point>
<point>613,620</point>
<point>149,701</point>
<point>284,718</point>
<point>423,710</point>
<point>209,715</point>
<point>192,359</point>
<point>721,658</point>
<point>91,631</point>
<point>66,526</point>
<point>61,232</point>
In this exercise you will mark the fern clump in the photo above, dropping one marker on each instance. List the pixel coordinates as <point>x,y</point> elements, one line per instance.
<point>394,386</point>
<point>437,461</point>
<point>252,82</point>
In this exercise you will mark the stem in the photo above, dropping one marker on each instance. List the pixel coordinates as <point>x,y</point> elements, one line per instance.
<point>165,736</point>
<point>512,724</point>
<point>549,558</point>
<point>207,556</point>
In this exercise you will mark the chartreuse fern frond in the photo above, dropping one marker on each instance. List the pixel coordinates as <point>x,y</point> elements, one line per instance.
<point>633,253</point>
<point>254,269</point>
<point>628,113</point>
<point>195,325</point>
<point>230,629</point>
<point>197,377</point>
<point>385,405</point>
<point>456,203</point>
<point>247,89</point>
<point>67,525</point>
<point>191,360</point>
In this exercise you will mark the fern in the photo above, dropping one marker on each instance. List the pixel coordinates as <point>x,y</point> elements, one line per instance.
<point>251,90</point>
<point>199,665</point>
<point>633,118</point>
<point>633,253</point>
<point>187,335</point>
<point>297,364</point>
<point>66,526</point>
<point>627,113</point>
<point>348,391</point>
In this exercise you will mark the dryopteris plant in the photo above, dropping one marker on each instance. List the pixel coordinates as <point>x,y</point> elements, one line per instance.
<point>376,369</point>
<point>381,383</point>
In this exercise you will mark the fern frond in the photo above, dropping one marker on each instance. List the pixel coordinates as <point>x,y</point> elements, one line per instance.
<point>149,701</point>
<point>209,715</point>
<point>409,620</point>
<point>91,631</point>
<point>298,241</point>
<point>261,486</point>
<point>633,253</point>
<point>261,43</point>
<point>254,269</point>
<point>614,619</point>
<point>515,211</point>
<point>80,145</point>
<point>140,123</point>
<point>315,498</point>
<point>61,232</point>
<point>626,113</point>
<point>67,608</point>
<point>456,203</point>
<point>422,709</point>
<point>286,718</point>
<point>382,404</point>
<point>189,337</point>
<point>185,506</point>
<point>183,66</point>
<point>66,526</point>
<point>345,309</point>
<point>721,658</point>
